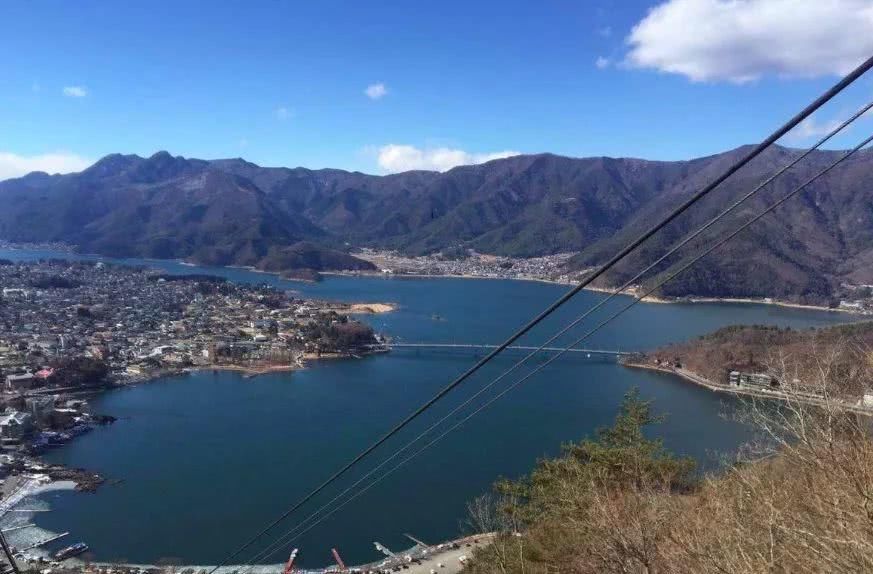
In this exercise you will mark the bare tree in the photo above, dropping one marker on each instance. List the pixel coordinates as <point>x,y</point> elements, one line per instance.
<point>799,498</point>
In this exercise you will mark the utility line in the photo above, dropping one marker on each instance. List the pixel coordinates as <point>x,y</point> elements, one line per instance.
<point>580,318</point>
<point>757,150</point>
<point>636,300</point>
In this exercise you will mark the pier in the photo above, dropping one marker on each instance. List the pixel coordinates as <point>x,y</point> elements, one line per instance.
<point>44,542</point>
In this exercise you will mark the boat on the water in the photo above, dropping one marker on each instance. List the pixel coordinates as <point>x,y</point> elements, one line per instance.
<point>70,551</point>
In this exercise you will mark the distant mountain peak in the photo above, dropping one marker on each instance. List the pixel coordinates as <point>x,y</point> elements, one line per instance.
<point>112,164</point>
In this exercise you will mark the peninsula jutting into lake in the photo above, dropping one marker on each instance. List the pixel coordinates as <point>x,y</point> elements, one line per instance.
<point>67,328</point>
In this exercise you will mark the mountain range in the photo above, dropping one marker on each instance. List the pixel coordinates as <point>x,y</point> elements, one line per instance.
<point>231,211</point>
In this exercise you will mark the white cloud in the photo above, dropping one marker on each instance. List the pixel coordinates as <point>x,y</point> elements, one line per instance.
<point>14,165</point>
<point>741,40</point>
<point>376,91</point>
<point>283,113</point>
<point>811,127</point>
<point>602,63</point>
<point>75,91</point>
<point>395,158</point>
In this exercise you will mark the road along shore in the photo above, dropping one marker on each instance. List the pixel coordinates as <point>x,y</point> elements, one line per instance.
<point>740,391</point>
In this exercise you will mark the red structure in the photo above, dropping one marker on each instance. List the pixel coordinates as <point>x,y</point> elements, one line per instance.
<point>339,561</point>
<point>289,567</point>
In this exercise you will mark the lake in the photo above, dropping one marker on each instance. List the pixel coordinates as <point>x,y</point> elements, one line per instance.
<point>198,463</point>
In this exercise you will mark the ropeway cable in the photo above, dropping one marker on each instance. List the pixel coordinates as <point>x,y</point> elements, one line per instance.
<point>478,393</point>
<point>846,81</point>
<point>636,300</point>
<point>580,318</point>
<point>736,166</point>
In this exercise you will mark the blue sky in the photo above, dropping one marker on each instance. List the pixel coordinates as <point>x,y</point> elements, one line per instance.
<point>286,83</point>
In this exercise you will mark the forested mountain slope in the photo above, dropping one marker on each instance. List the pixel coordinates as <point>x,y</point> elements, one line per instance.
<point>235,212</point>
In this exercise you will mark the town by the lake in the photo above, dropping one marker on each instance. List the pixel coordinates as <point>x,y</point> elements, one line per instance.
<point>70,329</point>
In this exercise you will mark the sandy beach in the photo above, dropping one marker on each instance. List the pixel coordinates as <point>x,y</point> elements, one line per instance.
<point>371,308</point>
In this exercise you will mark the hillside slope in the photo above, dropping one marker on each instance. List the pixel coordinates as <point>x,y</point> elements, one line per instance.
<point>802,251</point>
<point>764,348</point>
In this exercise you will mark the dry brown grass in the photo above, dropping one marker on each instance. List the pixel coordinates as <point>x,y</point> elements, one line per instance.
<point>759,348</point>
<point>799,499</point>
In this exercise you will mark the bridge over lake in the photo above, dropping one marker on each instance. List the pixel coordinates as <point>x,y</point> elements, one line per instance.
<point>482,347</point>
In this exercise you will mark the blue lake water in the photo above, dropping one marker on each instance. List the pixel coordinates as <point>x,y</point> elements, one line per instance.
<point>202,461</point>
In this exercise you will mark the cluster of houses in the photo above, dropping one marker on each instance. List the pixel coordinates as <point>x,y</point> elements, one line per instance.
<point>40,421</point>
<point>136,321</point>
<point>68,325</point>
<point>735,379</point>
<point>472,264</point>
<point>761,381</point>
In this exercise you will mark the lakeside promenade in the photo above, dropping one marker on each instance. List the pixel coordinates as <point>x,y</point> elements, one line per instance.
<point>443,558</point>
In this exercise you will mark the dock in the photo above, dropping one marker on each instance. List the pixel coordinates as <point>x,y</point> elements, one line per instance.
<point>43,542</point>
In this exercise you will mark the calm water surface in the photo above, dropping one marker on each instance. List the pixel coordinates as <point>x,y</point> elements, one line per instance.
<point>203,460</point>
